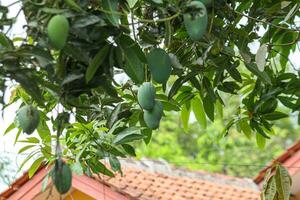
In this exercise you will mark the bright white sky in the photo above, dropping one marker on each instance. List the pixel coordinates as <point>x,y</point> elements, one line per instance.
<point>7,146</point>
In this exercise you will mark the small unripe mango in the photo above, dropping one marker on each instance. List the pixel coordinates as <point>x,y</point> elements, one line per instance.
<point>153,117</point>
<point>28,118</point>
<point>58,30</point>
<point>160,65</point>
<point>61,176</point>
<point>196,23</point>
<point>146,96</point>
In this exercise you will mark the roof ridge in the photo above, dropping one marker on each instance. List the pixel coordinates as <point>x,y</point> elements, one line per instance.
<point>163,167</point>
<point>289,152</point>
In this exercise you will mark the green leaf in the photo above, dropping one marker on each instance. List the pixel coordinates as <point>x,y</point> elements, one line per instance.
<point>132,3</point>
<point>112,7</point>
<point>5,42</point>
<point>114,115</point>
<point>270,191</point>
<point>209,89</point>
<point>262,75</point>
<point>26,160</point>
<point>23,149</point>
<point>44,132</point>
<point>17,136</point>
<point>260,141</point>
<point>128,135</point>
<point>275,115</point>
<point>134,57</point>
<point>115,164</point>
<point>30,87</point>
<point>283,183</point>
<point>73,5</point>
<point>175,87</point>
<point>291,13</point>
<point>99,167</point>
<point>96,62</point>
<point>35,166</point>
<point>257,127</point>
<point>199,111</point>
<point>219,108</point>
<point>31,140</point>
<point>147,132</point>
<point>10,128</point>
<point>209,107</point>
<point>129,149</point>
<point>81,151</point>
<point>80,23</point>
<point>77,168</point>
<point>185,116</point>
<point>245,128</point>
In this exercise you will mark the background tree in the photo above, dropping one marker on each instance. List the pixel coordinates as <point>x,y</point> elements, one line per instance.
<point>206,149</point>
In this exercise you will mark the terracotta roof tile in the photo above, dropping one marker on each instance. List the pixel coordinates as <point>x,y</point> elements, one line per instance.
<point>156,182</point>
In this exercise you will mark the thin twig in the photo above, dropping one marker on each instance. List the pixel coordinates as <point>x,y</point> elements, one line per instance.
<point>289,43</point>
<point>132,22</point>
<point>13,3</point>
<point>262,21</point>
<point>142,20</point>
<point>10,27</point>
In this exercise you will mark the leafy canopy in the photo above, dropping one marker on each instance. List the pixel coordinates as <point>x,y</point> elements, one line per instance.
<point>96,116</point>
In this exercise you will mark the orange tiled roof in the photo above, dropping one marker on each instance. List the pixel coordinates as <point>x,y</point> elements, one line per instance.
<point>155,180</point>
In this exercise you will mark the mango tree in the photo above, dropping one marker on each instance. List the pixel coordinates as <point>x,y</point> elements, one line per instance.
<point>68,67</point>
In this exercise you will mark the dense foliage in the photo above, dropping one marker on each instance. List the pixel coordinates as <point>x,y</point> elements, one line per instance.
<point>71,75</point>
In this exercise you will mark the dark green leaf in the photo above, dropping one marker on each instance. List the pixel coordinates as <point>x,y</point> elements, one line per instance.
<point>96,63</point>
<point>129,149</point>
<point>111,6</point>
<point>262,75</point>
<point>115,164</point>
<point>128,135</point>
<point>147,134</point>
<point>209,108</point>
<point>275,115</point>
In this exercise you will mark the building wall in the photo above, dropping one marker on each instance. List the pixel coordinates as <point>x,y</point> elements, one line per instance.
<point>77,195</point>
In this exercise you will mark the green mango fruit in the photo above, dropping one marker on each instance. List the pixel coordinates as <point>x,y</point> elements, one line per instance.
<point>160,65</point>
<point>146,96</point>
<point>28,118</point>
<point>61,176</point>
<point>153,117</point>
<point>196,21</point>
<point>58,30</point>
